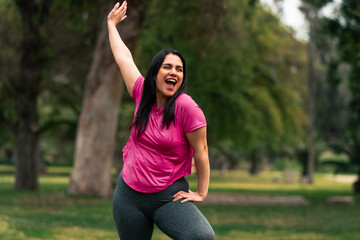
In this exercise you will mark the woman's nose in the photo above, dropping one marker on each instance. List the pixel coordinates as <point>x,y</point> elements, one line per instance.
<point>173,71</point>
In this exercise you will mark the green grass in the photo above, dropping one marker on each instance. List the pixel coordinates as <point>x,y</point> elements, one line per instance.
<point>51,213</point>
<point>240,182</point>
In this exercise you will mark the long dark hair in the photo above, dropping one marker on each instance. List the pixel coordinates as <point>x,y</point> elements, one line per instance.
<point>148,97</point>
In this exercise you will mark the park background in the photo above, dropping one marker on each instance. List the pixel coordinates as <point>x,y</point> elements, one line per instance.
<point>283,114</point>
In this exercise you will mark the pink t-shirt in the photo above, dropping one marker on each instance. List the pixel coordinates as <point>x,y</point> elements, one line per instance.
<point>160,156</point>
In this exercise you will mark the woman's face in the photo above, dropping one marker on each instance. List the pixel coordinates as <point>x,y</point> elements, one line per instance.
<point>169,77</point>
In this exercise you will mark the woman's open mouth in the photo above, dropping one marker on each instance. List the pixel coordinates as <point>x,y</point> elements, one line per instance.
<point>170,83</point>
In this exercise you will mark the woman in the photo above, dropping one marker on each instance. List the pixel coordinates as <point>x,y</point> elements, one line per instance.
<point>168,127</point>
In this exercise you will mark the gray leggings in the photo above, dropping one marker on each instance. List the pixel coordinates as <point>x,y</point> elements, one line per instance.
<point>135,214</point>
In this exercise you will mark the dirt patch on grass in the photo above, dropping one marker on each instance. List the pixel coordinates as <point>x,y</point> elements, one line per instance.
<point>238,199</point>
<point>345,178</point>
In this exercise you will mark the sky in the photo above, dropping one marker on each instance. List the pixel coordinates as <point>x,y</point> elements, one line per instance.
<point>291,16</point>
<point>294,18</point>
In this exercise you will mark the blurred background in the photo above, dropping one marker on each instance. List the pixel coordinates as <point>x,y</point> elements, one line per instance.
<point>278,81</point>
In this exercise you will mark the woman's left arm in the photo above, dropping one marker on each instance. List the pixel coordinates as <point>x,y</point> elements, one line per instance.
<point>198,142</point>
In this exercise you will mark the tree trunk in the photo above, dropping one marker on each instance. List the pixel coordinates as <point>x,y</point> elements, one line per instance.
<point>311,16</point>
<point>27,88</point>
<point>27,140</point>
<point>356,185</point>
<point>95,141</point>
<point>311,156</point>
<point>255,161</point>
<point>254,167</point>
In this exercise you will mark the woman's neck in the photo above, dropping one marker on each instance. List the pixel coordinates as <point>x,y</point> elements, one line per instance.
<point>160,101</point>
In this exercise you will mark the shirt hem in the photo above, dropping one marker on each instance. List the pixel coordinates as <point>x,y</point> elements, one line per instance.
<point>159,189</point>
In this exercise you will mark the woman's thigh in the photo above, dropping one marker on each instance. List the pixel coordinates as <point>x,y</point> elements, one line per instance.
<point>130,221</point>
<point>183,221</point>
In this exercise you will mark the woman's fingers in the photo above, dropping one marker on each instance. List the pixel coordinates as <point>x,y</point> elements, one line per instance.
<point>179,195</point>
<point>122,8</point>
<point>122,11</point>
<point>187,196</point>
<point>116,6</point>
<point>118,13</point>
<point>123,18</point>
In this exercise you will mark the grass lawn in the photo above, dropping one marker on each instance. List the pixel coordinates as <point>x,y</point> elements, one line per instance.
<point>52,214</point>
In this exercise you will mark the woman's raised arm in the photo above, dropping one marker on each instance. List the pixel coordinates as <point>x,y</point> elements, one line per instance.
<point>122,54</point>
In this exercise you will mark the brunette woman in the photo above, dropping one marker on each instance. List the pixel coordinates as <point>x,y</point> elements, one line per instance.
<point>168,130</point>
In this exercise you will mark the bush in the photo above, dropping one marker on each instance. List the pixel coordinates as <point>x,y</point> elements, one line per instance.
<point>282,164</point>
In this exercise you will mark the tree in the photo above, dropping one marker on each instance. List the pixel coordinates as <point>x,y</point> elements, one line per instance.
<point>311,14</point>
<point>97,124</point>
<point>24,87</point>
<point>65,37</point>
<point>345,29</point>
<point>311,10</point>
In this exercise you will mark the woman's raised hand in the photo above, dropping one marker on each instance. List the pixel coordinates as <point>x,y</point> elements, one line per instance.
<point>118,13</point>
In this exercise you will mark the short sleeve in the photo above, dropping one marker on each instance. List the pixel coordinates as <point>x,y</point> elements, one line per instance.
<point>138,88</point>
<point>192,117</point>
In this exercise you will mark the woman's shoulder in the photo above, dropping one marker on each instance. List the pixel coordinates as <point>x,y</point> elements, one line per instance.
<point>138,88</point>
<point>185,100</point>
<point>185,103</point>
<point>190,114</point>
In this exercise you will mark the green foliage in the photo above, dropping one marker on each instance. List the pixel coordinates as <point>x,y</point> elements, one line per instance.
<point>9,58</point>
<point>333,163</point>
<point>345,29</point>
<point>245,68</point>
<point>282,164</point>
<point>350,147</point>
